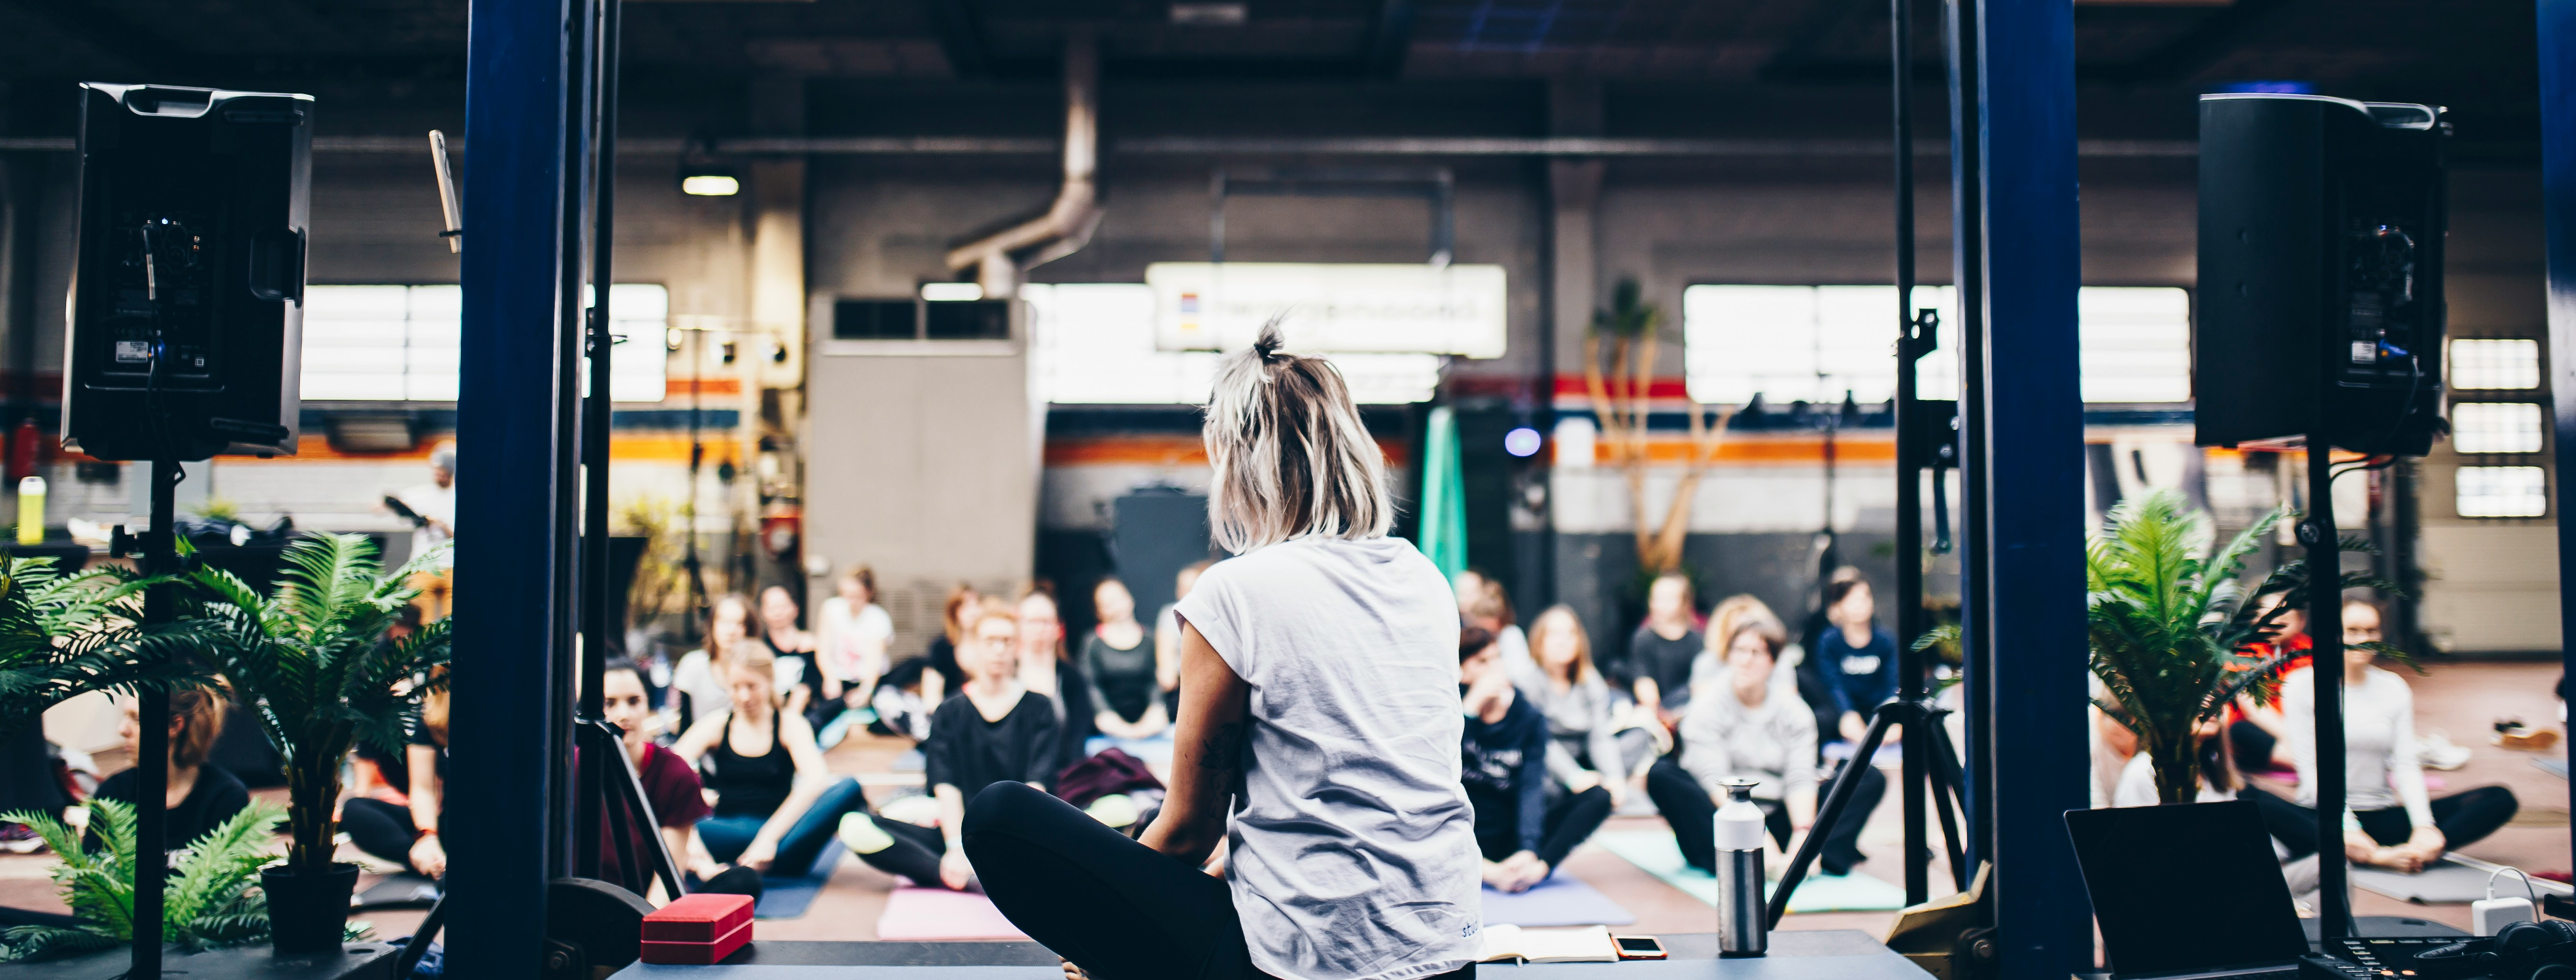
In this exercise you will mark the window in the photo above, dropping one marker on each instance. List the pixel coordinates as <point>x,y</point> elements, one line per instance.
<point>2495,364</point>
<point>2495,427</point>
<point>400,343</point>
<point>2501,491</point>
<point>1094,344</point>
<point>1814,343</point>
<point>875,319</point>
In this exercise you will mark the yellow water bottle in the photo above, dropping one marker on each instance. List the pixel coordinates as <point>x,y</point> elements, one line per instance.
<point>31,510</point>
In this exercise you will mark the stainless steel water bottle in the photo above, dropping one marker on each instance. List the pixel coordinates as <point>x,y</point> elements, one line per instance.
<point>1743,915</point>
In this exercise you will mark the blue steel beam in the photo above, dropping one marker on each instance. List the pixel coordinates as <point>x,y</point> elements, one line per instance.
<point>508,699</point>
<point>2558,213</point>
<point>2034,497</point>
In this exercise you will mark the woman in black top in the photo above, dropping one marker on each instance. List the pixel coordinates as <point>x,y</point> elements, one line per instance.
<point>815,693</point>
<point>776,803</point>
<point>994,731</point>
<point>1046,668</point>
<point>200,797</point>
<point>1118,662</point>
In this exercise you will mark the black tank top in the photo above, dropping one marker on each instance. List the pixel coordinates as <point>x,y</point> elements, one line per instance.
<point>750,785</point>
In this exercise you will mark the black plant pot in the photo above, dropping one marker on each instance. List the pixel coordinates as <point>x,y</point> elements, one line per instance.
<point>307,913</point>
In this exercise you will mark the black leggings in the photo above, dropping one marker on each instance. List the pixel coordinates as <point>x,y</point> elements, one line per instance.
<point>914,854</point>
<point>1690,810</point>
<point>2464,818</point>
<point>1116,908</point>
<point>379,828</point>
<point>1571,819</point>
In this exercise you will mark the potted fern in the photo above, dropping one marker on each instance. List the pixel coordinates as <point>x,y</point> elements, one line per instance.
<point>62,635</point>
<point>210,903</point>
<point>2173,633</point>
<point>313,659</point>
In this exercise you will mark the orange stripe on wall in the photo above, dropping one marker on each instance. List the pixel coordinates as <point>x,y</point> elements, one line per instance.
<point>621,449</point>
<point>1163,451</point>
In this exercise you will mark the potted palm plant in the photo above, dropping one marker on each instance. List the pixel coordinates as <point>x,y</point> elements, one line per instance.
<point>314,660</point>
<point>62,635</point>
<point>2175,636</point>
<point>211,902</point>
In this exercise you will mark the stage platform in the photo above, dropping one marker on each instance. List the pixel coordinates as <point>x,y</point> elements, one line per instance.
<point>1844,954</point>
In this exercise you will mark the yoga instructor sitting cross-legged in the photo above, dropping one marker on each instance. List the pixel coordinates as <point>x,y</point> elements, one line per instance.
<point>1318,709</point>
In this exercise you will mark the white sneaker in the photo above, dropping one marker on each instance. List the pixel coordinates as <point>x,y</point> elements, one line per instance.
<point>2436,751</point>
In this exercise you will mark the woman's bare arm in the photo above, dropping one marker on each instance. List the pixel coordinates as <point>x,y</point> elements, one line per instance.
<point>1207,753</point>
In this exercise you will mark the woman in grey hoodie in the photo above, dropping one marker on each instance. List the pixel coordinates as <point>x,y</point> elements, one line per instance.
<point>1588,743</point>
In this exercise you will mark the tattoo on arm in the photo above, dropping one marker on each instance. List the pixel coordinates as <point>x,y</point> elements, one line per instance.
<point>1221,751</point>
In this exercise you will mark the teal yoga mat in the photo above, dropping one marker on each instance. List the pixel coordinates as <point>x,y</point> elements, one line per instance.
<point>787,898</point>
<point>1654,851</point>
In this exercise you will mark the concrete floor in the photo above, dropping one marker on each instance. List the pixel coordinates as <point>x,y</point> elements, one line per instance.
<point>2461,699</point>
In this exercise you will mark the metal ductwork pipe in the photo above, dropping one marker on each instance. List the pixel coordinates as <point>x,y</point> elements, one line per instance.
<point>999,258</point>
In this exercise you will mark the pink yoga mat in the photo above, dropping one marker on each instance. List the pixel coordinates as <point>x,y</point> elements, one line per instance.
<point>937,913</point>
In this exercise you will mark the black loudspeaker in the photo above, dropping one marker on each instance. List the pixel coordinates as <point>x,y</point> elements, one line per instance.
<point>2320,302</point>
<point>187,321</point>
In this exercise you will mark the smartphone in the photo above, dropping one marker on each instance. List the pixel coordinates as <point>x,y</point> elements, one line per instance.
<point>1639,947</point>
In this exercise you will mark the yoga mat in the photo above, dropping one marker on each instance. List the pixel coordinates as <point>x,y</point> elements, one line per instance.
<point>1151,751</point>
<point>1654,852</point>
<point>1558,901</point>
<point>937,913</point>
<point>2444,883</point>
<point>787,898</point>
<point>402,891</point>
<point>2554,767</point>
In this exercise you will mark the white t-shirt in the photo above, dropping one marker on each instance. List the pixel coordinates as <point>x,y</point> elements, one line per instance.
<point>2138,785</point>
<point>1352,845</point>
<point>2381,769</point>
<point>436,503</point>
<point>855,644</point>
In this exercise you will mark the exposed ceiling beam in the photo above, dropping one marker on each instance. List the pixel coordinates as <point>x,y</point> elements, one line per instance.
<point>2217,35</point>
<point>1390,35</point>
<point>1422,146</point>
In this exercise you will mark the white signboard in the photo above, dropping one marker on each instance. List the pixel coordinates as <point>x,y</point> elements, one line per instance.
<point>1456,309</point>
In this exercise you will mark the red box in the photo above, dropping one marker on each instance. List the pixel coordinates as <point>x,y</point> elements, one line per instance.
<point>698,919</point>
<point>697,953</point>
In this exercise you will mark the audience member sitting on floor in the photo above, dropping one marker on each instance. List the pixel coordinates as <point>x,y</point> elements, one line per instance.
<point>2259,733</point>
<point>671,787</point>
<point>918,686</point>
<point>1754,729</point>
<point>775,803</point>
<point>1710,664</point>
<point>1318,733</point>
<point>1587,744</point>
<point>1484,602</point>
<point>1047,668</point>
<point>698,680</point>
<point>407,833</point>
<point>856,637</point>
<point>1167,636</point>
<point>1657,669</point>
<point>199,797</point>
<point>2394,825</point>
<point>1119,667</point>
<point>1524,826</point>
<point>995,731</point>
<point>1856,656</point>
<point>811,691</point>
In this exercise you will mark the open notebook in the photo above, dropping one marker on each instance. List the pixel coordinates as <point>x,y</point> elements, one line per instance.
<point>1584,944</point>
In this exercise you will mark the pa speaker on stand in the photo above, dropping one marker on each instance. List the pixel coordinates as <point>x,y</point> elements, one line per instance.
<point>2321,327</point>
<point>186,325</point>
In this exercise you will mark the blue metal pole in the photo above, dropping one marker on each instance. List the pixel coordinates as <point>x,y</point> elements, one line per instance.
<point>2558,212</point>
<point>2034,445</point>
<point>508,699</point>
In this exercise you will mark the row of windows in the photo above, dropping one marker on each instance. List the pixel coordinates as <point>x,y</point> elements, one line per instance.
<point>399,343</point>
